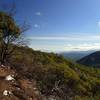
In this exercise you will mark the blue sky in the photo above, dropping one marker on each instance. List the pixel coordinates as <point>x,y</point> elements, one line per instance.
<point>60,25</point>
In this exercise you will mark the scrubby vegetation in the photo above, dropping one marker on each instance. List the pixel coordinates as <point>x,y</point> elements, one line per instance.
<point>57,76</point>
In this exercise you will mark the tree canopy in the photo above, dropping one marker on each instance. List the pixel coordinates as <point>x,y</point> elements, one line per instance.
<point>10,34</point>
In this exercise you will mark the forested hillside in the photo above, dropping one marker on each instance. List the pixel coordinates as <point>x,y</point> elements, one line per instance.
<point>57,77</point>
<point>91,60</point>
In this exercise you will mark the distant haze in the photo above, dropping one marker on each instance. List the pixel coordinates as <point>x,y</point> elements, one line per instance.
<point>76,55</point>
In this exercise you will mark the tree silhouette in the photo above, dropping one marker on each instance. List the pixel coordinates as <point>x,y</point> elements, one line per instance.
<point>10,35</point>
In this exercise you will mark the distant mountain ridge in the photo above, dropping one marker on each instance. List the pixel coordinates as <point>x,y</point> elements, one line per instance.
<point>76,55</point>
<point>91,60</point>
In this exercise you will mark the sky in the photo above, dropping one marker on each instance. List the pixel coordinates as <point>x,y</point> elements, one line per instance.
<point>60,25</point>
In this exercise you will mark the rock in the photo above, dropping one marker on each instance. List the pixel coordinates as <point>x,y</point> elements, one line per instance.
<point>13,86</point>
<point>9,78</point>
<point>7,93</point>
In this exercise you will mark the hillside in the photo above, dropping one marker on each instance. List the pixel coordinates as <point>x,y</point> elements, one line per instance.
<point>91,60</point>
<point>55,76</point>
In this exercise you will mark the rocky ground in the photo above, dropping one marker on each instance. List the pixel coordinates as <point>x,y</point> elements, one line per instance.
<point>15,87</point>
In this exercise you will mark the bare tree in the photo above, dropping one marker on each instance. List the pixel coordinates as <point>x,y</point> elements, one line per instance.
<point>11,34</point>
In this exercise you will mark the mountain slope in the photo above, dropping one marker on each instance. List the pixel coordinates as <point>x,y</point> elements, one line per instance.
<point>55,76</point>
<point>91,60</point>
<point>75,55</point>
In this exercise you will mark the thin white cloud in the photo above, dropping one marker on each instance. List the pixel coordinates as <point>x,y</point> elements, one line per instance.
<point>99,23</point>
<point>84,47</point>
<point>72,38</point>
<point>67,47</point>
<point>75,43</point>
<point>38,13</point>
<point>36,25</point>
<point>48,38</point>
